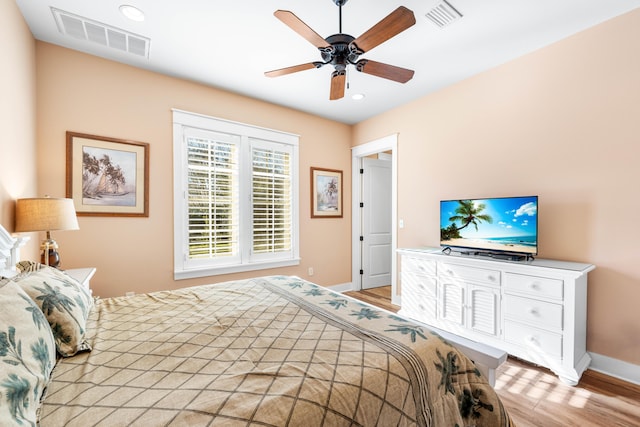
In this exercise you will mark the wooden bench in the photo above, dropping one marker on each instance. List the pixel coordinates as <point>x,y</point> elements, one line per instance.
<point>486,358</point>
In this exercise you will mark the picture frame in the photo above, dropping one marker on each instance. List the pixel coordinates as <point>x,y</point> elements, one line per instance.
<point>107,176</point>
<point>326,193</point>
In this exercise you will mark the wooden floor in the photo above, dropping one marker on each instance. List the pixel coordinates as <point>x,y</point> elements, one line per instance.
<point>536,398</point>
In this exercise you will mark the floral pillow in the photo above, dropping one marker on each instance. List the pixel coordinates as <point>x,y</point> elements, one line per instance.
<point>64,302</point>
<point>27,355</point>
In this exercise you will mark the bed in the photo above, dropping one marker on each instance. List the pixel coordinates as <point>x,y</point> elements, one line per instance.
<point>267,351</point>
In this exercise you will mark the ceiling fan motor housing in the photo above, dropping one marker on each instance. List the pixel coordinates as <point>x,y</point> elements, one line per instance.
<point>341,51</point>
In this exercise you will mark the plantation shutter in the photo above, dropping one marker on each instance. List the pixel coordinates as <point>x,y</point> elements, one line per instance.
<point>212,199</point>
<point>236,201</point>
<point>271,198</point>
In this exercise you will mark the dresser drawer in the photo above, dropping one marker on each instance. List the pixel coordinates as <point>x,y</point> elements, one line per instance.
<point>533,339</point>
<point>463,272</point>
<point>534,312</point>
<point>418,265</point>
<point>419,299</point>
<point>418,283</point>
<point>534,286</point>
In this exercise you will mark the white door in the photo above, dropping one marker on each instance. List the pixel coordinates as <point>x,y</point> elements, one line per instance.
<point>376,223</point>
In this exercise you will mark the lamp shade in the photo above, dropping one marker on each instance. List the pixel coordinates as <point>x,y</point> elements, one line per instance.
<point>45,214</point>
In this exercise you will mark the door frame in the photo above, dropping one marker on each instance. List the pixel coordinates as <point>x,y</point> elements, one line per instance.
<point>387,143</point>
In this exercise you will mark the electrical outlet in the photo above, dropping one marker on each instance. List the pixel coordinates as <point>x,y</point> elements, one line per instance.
<point>310,271</point>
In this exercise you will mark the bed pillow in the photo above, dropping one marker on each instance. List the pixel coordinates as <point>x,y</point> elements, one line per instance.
<point>27,355</point>
<point>64,302</point>
<point>25,266</point>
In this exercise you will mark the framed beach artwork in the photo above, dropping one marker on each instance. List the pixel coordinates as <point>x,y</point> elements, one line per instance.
<point>107,176</point>
<point>326,193</point>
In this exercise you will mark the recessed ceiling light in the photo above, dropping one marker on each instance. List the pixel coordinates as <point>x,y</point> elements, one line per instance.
<point>357,96</point>
<point>132,12</point>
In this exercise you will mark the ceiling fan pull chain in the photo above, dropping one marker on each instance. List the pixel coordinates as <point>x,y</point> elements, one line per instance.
<point>348,78</point>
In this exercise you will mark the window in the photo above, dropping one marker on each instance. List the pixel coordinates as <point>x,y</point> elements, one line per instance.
<point>235,197</point>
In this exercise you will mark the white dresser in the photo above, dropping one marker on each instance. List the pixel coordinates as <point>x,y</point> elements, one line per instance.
<point>535,310</point>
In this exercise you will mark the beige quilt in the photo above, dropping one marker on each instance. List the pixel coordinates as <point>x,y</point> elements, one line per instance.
<point>271,351</point>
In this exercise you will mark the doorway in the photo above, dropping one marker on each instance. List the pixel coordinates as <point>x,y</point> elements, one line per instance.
<point>360,252</point>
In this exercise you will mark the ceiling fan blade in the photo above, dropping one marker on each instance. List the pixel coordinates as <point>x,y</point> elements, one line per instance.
<point>395,23</point>
<point>386,71</point>
<point>296,24</point>
<point>294,69</point>
<point>338,80</point>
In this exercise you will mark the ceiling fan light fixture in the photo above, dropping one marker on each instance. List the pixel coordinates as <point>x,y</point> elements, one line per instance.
<point>341,50</point>
<point>358,96</point>
<point>132,12</point>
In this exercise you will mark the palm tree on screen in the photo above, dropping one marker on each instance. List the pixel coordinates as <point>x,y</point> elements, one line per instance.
<point>470,213</point>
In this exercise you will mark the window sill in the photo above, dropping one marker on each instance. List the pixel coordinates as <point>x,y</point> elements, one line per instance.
<point>215,271</point>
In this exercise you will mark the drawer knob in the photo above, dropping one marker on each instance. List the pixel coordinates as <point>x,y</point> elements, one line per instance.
<point>533,311</point>
<point>532,339</point>
<point>534,285</point>
<point>492,278</point>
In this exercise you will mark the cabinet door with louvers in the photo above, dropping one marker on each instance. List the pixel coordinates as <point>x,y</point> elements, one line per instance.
<point>484,309</point>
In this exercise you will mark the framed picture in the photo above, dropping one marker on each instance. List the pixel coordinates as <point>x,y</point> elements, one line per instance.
<point>326,193</point>
<point>107,176</point>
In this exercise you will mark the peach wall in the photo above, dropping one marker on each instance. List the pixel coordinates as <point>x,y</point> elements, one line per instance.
<point>563,123</point>
<point>82,93</point>
<point>18,115</point>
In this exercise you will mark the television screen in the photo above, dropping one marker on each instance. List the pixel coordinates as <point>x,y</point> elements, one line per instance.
<point>506,224</point>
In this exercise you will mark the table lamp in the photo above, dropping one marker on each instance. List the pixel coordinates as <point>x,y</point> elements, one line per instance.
<point>46,214</point>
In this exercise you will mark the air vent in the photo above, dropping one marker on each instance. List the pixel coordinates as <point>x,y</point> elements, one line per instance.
<point>97,32</point>
<point>443,14</point>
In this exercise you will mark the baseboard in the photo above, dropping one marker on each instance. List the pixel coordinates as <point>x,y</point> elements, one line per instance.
<point>396,300</point>
<point>344,287</point>
<point>615,368</point>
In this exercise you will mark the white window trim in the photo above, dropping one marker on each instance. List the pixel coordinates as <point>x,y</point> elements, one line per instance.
<point>193,120</point>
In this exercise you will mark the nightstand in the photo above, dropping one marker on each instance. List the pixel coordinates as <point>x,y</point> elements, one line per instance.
<point>82,275</point>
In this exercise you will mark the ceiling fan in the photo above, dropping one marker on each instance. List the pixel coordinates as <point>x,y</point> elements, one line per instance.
<point>341,49</point>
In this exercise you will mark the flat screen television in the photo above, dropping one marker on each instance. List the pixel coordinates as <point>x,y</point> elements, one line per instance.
<point>492,225</point>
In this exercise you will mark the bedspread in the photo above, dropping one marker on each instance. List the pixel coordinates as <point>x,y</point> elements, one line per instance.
<point>270,351</point>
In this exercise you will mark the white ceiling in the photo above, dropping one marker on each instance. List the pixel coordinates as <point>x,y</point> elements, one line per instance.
<point>230,44</point>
